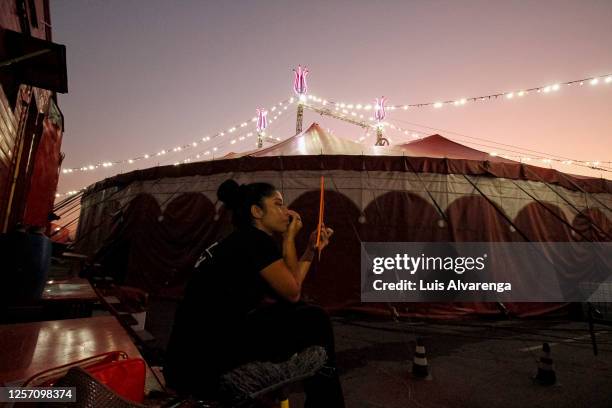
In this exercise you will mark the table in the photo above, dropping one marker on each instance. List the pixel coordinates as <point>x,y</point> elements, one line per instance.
<point>68,299</point>
<point>29,348</point>
<point>74,289</point>
<point>61,299</point>
<point>66,264</point>
<point>74,255</point>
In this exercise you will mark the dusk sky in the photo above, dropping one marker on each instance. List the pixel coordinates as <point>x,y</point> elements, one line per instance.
<point>148,75</point>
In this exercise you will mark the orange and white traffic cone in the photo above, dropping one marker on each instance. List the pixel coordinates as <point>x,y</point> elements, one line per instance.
<point>546,373</point>
<point>420,367</point>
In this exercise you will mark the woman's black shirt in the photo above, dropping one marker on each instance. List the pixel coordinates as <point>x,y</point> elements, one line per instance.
<point>224,288</point>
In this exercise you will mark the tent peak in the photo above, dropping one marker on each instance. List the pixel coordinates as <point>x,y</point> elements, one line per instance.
<point>313,127</point>
<point>437,145</point>
<point>431,138</point>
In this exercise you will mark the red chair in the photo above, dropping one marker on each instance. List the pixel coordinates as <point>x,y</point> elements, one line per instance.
<point>125,376</point>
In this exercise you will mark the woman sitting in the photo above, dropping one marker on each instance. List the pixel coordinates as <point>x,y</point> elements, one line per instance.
<point>243,302</point>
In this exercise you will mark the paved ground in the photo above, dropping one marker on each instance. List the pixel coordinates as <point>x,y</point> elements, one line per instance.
<point>474,363</point>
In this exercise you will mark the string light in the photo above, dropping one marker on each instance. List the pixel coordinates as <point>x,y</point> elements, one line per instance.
<point>69,193</point>
<point>595,165</point>
<point>347,109</point>
<point>462,101</point>
<point>176,149</point>
<point>231,142</point>
<point>523,159</point>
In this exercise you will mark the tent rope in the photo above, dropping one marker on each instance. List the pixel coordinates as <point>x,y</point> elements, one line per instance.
<point>591,222</point>
<point>407,164</point>
<point>500,211</point>
<point>549,210</point>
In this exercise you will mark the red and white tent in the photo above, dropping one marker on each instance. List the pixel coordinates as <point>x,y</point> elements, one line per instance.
<point>441,147</point>
<point>149,226</point>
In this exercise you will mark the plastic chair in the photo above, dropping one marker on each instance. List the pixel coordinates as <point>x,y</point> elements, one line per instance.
<point>90,392</point>
<point>125,376</point>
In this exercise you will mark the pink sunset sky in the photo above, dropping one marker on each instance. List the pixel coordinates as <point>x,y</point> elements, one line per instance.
<point>150,75</point>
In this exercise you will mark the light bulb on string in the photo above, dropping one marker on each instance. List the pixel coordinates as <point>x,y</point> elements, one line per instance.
<point>546,89</point>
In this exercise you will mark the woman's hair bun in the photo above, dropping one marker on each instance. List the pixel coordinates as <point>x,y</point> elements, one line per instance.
<point>228,193</point>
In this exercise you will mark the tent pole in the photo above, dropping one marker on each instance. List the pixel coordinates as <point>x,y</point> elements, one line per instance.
<point>299,118</point>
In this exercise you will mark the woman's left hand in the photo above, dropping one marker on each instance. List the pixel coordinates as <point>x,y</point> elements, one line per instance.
<point>326,233</point>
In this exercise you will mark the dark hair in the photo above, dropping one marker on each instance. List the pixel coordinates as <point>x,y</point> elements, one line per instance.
<point>240,198</point>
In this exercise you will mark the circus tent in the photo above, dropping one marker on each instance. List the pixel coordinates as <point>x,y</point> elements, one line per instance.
<point>148,227</point>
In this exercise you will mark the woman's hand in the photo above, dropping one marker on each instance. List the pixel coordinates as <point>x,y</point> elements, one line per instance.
<point>326,233</point>
<point>295,225</point>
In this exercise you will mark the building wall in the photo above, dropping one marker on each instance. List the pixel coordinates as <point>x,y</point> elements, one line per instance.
<point>21,127</point>
<point>38,26</point>
<point>8,136</point>
<point>8,15</point>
